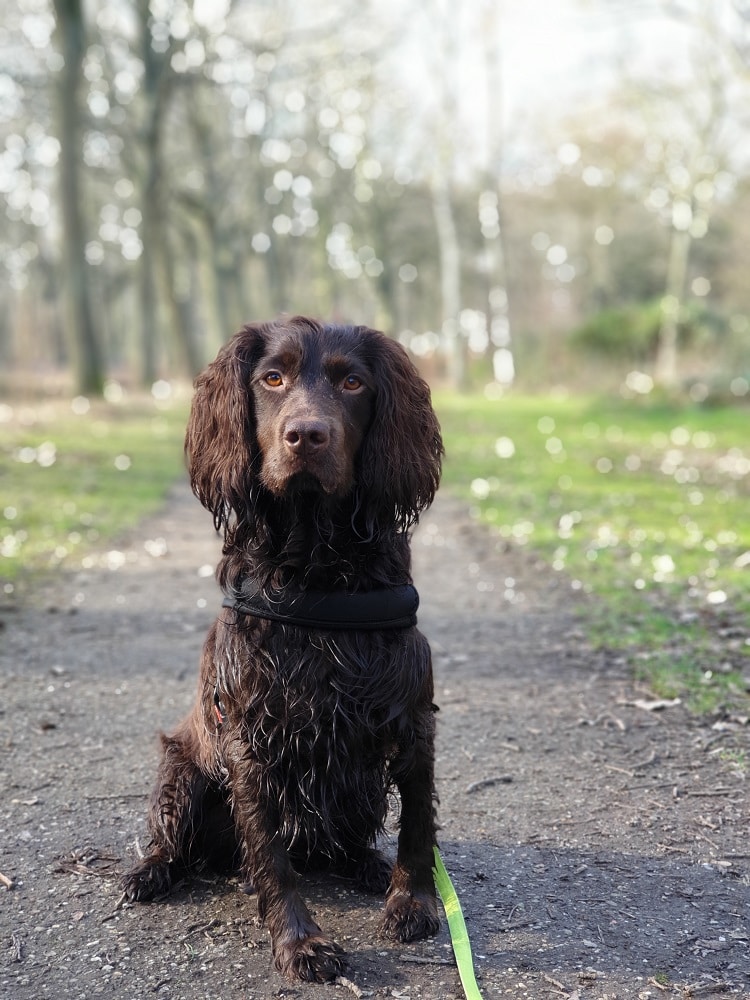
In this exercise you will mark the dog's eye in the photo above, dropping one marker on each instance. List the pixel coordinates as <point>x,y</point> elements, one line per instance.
<point>352,382</point>
<point>273,379</point>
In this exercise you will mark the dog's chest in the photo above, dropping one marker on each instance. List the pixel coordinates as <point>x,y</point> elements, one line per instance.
<point>313,697</point>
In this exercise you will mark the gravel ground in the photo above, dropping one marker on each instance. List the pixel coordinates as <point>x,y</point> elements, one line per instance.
<point>599,847</point>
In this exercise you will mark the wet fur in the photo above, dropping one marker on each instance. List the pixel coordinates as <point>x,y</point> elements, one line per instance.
<point>312,485</point>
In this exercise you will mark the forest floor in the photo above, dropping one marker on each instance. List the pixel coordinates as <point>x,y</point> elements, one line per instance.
<point>598,843</point>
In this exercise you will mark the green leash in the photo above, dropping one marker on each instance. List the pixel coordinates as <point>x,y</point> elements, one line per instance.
<point>457,927</point>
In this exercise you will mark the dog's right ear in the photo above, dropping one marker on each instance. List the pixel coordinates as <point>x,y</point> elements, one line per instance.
<point>220,443</point>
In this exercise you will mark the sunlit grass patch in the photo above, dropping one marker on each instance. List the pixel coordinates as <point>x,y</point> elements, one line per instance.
<point>647,508</point>
<point>73,475</point>
<point>737,759</point>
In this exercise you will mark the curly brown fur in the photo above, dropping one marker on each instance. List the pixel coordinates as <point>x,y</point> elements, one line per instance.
<point>315,447</point>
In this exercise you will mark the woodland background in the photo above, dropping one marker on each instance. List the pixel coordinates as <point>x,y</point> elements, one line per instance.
<point>529,192</point>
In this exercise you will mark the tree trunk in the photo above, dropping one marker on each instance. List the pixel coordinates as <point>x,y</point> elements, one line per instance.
<point>220,258</point>
<point>442,204</point>
<point>181,304</point>
<point>150,202</point>
<point>79,322</point>
<point>157,265</point>
<point>450,281</point>
<point>665,367</point>
<point>491,211</point>
<point>149,304</point>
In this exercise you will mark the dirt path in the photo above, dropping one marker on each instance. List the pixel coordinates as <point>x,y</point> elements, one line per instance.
<point>600,850</point>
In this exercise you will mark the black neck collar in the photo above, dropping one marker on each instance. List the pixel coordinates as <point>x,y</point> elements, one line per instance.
<point>387,608</point>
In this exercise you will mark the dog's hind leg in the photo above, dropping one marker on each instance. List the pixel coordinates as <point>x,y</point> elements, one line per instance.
<point>180,801</point>
<point>371,870</point>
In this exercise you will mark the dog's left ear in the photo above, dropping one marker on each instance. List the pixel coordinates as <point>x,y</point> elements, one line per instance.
<point>400,458</point>
<point>220,444</point>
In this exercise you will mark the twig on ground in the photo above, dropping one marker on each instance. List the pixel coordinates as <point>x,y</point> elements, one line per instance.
<point>660,986</point>
<point>115,798</point>
<point>706,988</point>
<point>118,906</point>
<point>653,756</point>
<point>620,770</point>
<point>7,881</point>
<point>349,985</point>
<point>198,929</point>
<point>717,793</point>
<point>514,925</point>
<point>554,982</point>
<point>702,836</point>
<point>78,866</point>
<point>425,960</point>
<point>648,705</point>
<point>497,779</point>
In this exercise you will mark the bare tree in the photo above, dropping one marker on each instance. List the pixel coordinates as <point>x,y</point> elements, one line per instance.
<point>158,259</point>
<point>491,213</point>
<point>441,187</point>
<point>691,181</point>
<point>79,321</point>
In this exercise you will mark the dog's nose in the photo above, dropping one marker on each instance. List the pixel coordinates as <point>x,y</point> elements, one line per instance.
<point>305,437</point>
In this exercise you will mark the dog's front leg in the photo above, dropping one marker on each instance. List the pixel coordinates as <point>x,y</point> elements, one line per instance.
<point>411,903</point>
<point>301,951</point>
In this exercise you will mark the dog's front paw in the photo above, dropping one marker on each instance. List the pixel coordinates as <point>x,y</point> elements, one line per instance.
<point>313,959</point>
<point>409,917</point>
<point>148,880</point>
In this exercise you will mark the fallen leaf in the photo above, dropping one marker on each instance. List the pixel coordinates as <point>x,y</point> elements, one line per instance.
<point>654,706</point>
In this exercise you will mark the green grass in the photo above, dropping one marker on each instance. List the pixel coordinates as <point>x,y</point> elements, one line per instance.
<point>70,482</point>
<point>644,507</point>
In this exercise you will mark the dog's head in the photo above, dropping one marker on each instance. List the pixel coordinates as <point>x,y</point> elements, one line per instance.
<point>295,406</point>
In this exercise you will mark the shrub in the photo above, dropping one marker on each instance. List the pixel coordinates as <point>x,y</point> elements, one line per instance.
<point>631,332</point>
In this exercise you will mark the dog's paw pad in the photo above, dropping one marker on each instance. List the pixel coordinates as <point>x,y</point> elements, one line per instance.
<point>313,959</point>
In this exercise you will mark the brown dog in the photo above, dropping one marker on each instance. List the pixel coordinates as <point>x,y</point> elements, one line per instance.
<point>315,448</point>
